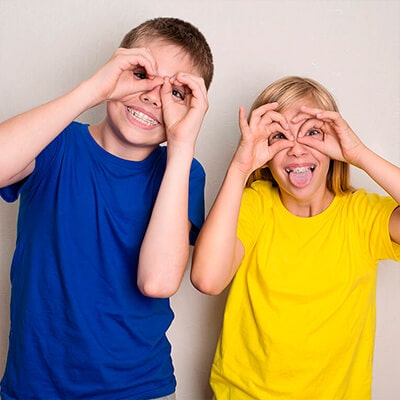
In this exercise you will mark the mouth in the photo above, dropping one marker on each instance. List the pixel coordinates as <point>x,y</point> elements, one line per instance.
<point>300,176</point>
<point>300,170</point>
<point>142,118</point>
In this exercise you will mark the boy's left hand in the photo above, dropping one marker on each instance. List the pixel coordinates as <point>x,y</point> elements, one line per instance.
<point>339,141</point>
<point>184,104</point>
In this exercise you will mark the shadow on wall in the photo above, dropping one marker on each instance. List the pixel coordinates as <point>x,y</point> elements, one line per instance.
<point>194,337</point>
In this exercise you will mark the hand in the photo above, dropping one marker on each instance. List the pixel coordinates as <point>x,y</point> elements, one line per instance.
<point>184,104</point>
<point>338,141</point>
<point>257,145</point>
<point>128,71</point>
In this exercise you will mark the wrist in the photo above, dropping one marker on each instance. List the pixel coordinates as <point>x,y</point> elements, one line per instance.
<point>89,94</point>
<point>236,172</point>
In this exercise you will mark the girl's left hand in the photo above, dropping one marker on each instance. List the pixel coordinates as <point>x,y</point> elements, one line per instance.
<point>338,140</point>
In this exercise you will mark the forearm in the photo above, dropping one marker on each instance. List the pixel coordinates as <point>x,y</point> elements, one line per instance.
<point>165,249</point>
<point>218,252</point>
<point>24,136</point>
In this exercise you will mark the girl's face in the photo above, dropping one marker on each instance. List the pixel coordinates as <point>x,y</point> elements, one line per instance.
<point>301,171</point>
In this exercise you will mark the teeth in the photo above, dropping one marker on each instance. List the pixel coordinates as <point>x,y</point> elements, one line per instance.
<point>142,117</point>
<point>300,170</point>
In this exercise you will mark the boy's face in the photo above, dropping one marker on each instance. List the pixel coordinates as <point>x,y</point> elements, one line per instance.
<point>136,123</point>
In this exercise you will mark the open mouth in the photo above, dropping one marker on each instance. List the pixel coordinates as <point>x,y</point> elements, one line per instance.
<point>142,117</point>
<point>300,170</point>
<point>300,176</point>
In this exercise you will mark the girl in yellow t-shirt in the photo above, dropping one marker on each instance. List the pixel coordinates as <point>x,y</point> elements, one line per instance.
<point>301,248</point>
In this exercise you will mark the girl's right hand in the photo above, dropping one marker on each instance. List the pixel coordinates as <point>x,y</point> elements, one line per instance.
<point>256,146</point>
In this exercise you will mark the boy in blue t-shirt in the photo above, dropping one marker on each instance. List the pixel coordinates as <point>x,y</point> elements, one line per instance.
<point>105,221</point>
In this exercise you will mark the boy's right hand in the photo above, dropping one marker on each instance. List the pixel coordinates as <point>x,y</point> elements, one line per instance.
<point>116,79</point>
<point>256,148</point>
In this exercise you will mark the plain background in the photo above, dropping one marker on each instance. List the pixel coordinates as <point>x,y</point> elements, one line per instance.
<point>352,47</point>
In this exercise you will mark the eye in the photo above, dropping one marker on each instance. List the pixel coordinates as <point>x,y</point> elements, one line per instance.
<point>179,93</point>
<point>276,136</point>
<point>140,73</point>
<point>317,134</point>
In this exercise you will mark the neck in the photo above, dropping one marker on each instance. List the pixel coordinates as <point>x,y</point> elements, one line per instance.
<point>307,207</point>
<point>117,146</point>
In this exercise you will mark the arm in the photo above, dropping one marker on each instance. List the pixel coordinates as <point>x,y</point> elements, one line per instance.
<point>24,136</point>
<point>341,143</point>
<point>165,249</point>
<point>218,252</point>
<point>387,176</point>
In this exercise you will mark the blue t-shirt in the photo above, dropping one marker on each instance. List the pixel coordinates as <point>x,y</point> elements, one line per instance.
<point>80,328</point>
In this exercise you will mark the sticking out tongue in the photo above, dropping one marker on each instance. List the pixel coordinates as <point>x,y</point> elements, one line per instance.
<point>300,177</point>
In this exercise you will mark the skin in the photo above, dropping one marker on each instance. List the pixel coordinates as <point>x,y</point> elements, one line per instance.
<point>176,100</point>
<point>158,79</point>
<point>315,197</point>
<point>290,138</point>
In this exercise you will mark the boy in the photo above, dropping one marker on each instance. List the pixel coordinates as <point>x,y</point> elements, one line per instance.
<point>104,222</point>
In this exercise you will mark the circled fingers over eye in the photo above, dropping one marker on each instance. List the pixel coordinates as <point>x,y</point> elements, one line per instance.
<point>193,84</point>
<point>311,125</point>
<point>269,118</point>
<point>135,57</point>
<point>278,134</point>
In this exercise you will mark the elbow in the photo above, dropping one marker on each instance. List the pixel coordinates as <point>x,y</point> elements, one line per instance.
<point>204,283</point>
<point>206,288</point>
<point>159,284</point>
<point>161,290</point>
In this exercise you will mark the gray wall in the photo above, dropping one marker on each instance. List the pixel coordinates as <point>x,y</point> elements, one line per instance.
<point>352,47</point>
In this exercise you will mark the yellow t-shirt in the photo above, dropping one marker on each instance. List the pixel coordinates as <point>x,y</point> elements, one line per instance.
<point>299,322</point>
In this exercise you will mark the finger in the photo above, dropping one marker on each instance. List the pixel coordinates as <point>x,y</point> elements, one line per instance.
<point>133,57</point>
<point>301,117</point>
<point>140,85</point>
<point>266,118</point>
<point>315,144</point>
<point>264,109</point>
<point>194,83</point>
<point>280,145</point>
<point>321,114</point>
<point>311,123</point>
<point>166,91</point>
<point>275,132</point>
<point>276,117</point>
<point>243,125</point>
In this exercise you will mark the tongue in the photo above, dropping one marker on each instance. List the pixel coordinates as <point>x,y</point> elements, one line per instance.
<point>300,179</point>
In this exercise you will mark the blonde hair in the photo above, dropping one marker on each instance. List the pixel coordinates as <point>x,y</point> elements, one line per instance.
<point>286,92</point>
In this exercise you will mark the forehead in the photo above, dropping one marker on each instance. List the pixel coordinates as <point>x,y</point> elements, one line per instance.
<point>294,108</point>
<point>171,58</point>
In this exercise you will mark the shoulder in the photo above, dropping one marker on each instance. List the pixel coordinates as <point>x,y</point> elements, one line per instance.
<point>257,199</point>
<point>367,211</point>
<point>363,201</point>
<point>262,190</point>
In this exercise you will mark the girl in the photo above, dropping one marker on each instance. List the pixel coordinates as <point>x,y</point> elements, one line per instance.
<point>301,248</point>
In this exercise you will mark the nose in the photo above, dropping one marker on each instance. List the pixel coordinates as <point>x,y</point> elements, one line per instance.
<point>297,149</point>
<point>152,97</point>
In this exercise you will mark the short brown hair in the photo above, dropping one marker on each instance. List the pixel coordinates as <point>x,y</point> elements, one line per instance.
<point>287,91</point>
<point>180,33</point>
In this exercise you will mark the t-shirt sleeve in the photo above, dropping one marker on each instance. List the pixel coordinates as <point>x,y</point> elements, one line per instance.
<point>196,199</point>
<point>11,193</point>
<point>374,213</point>
<point>251,215</point>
